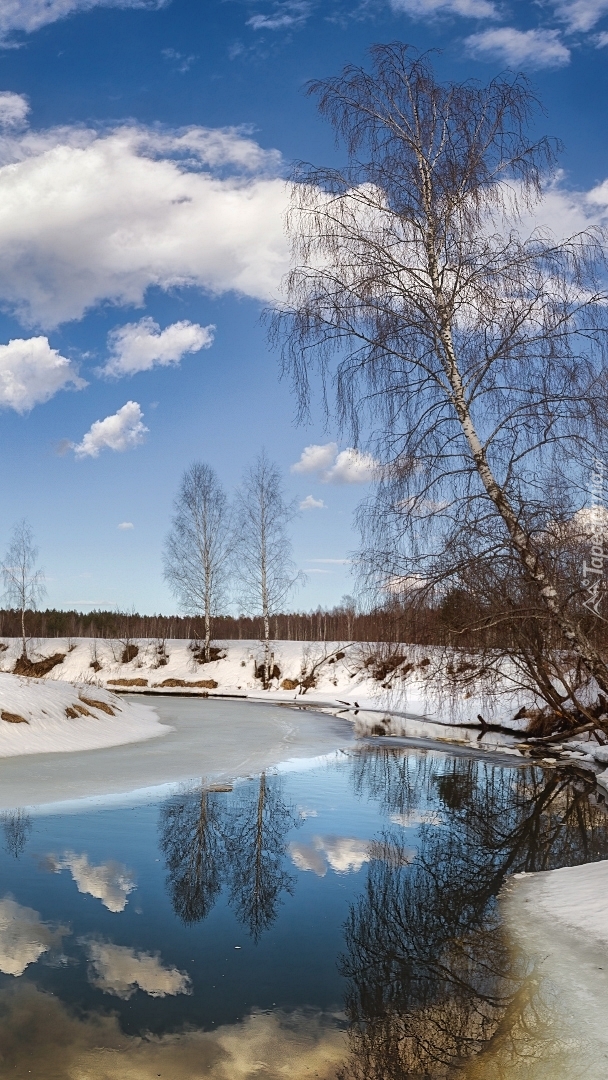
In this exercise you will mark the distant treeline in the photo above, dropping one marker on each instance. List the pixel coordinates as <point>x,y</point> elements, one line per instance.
<point>456,620</point>
<point>338,624</point>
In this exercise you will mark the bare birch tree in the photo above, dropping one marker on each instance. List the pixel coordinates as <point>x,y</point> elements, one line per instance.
<point>263,566</point>
<point>464,340</point>
<point>23,583</point>
<point>198,545</point>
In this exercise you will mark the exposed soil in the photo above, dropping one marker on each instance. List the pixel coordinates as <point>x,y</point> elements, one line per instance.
<point>35,669</point>
<point>129,653</point>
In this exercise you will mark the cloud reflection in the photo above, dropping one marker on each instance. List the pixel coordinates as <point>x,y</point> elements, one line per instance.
<point>344,854</point>
<point>23,937</point>
<point>111,882</point>
<point>279,1046</point>
<point>119,970</point>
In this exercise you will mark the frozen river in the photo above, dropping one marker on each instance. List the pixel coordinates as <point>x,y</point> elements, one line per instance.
<point>211,739</point>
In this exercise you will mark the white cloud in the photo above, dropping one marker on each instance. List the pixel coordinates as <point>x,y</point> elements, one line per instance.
<point>343,854</point>
<point>126,525</point>
<point>310,503</point>
<point>110,882</point>
<point>118,970</point>
<point>13,109</point>
<point>580,14</point>
<point>534,48</point>
<point>351,467</point>
<point>142,345</point>
<point>88,217</point>
<point>23,937</point>
<point>31,372</point>
<point>347,467</point>
<point>30,15</point>
<point>124,430</point>
<point>316,458</point>
<point>425,9</point>
<point>285,16</point>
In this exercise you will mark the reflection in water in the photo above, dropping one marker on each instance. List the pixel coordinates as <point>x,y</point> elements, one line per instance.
<point>17,826</point>
<point>433,987</point>
<point>69,1046</point>
<point>111,882</point>
<point>256,847</point>
<point>192,840</point>
<point>209,843</point>
<point>24,937</point>
<point>119,970</point>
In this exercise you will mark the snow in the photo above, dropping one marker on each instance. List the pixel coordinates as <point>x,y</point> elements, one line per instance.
<point>341,683</point>
<point>558,921</point>
<point>48,728</point>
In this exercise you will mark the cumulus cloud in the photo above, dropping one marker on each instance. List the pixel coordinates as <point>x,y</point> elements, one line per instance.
<point>532,48</point>
<point>30,15</point>
<point>110,882</point>
<point>13,109</point>
<point>310,503</point>
<point>347,467</point>
<point>31,372</point>
<point>124,430</point>
<point>88,217</point>
<point>316,458</point>
<point>23,937</point>
<point>143,345</point>
<point>126,525</point>
<point>425,9</point>
<point>342,853</point>
<point>118,970</point>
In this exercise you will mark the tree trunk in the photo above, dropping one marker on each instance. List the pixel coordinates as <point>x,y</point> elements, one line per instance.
<point>23,646</point>
<point>522,542</point>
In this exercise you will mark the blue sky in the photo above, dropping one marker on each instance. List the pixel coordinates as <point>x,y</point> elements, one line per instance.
<point>142,152</point>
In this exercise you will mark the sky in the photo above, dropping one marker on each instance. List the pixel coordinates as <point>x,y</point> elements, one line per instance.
<point>143,151</point>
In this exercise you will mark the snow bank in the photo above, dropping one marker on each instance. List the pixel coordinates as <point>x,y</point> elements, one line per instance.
<point>342,679</point>
<point>38,717</point>
<point>558,921</point>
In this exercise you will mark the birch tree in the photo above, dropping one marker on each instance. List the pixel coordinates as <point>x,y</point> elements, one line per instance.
<point>198,546</point>
<point>465,340</point>
<point>263,566</point>
<point>23,583</point>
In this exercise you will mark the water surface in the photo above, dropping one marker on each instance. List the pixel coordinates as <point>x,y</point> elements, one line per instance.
<point>339,918</point>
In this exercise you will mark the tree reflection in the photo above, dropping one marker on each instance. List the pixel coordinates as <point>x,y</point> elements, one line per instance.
<point>209,843</point>
<point>433,988</point>
<point>256,846</point>
<point>17,826</point>
<point>192,840</point>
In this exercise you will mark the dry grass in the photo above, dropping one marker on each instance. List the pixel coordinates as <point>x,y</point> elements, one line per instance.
<point>13,718</point>
<point>94,704</point>
<point>289,684</point>
<point>206,684</point>
<point>127,682</point>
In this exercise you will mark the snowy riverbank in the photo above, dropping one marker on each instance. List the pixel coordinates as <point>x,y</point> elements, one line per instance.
<point>41,718</point>
<point>329,673</point>
<point>558,921</point>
